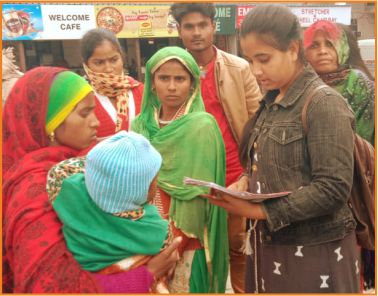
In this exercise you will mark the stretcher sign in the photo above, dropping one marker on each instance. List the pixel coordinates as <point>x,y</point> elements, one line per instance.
<point>308,15</point>
<point>21,22</point>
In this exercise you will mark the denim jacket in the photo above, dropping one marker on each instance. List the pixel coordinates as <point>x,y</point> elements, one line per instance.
<point>317,167</point>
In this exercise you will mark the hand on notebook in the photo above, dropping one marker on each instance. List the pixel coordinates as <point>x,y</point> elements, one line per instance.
<point>236,205</point>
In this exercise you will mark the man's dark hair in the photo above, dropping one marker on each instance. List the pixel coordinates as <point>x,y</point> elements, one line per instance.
<point>179,10</point>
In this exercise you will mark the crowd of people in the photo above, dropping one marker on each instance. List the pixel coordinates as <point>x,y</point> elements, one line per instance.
<point>93,167</point>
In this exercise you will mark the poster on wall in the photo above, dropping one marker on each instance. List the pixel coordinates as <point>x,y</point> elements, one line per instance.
<point>136,21</point>
<point>21,22</point>
<point>67,21</point>
<point>148,21</point>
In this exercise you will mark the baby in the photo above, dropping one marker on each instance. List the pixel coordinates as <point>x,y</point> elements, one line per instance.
<point>102,202</point>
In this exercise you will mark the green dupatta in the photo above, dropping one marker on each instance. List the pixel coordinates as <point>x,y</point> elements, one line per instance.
<point>190,146</point>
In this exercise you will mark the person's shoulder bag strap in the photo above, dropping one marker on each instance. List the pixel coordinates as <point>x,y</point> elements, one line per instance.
<point>307,103</point>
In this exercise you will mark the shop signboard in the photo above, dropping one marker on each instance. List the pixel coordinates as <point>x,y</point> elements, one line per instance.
<point>307,15</point>
<point>225,19</point>
<point>21,21</point>
<point>136,21</point>
<point>150,21</point>
<point>46,22</point>
<point>241,12</point>
<point>71,21</point>
<point>67,21</point>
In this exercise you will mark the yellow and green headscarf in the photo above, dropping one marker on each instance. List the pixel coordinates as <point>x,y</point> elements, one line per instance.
<point>66,91</point>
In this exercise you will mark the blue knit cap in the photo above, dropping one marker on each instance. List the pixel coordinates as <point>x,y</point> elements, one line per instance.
<point>119,171</point>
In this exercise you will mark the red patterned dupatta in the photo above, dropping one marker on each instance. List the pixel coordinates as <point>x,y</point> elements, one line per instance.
<point>35,256</point>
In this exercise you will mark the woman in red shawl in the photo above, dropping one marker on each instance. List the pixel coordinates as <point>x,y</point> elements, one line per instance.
<point>47,118</point>
<point>118,96</point>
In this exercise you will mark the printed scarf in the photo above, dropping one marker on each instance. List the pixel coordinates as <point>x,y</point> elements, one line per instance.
<point>112,86</point>
<point>334,78</point>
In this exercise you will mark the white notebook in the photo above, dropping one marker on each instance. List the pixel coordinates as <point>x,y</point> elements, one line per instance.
<point>253,197</point>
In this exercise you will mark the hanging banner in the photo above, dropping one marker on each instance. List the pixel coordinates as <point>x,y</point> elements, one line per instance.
<point>67,21</point>
<point>136,21</point>
<point>336,14</point>
<point>21,22</point>
<point>149,21</point>
<point>307,15</point>
<point>71,21</point>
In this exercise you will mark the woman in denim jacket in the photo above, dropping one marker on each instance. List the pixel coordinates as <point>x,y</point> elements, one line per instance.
<point>305,241</point>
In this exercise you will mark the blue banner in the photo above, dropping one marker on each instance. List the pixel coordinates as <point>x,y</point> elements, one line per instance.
<point>21,21</point>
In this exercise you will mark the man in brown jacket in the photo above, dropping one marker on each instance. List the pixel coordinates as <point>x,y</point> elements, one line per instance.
<point>231,94</point>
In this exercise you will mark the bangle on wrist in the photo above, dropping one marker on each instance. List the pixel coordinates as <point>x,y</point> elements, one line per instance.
<point>242,175</point>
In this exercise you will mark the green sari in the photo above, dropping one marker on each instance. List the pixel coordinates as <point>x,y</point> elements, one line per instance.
<point>192,146</point>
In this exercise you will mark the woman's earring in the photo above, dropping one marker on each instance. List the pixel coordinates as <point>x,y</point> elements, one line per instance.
<point>52,137</point>
<point>153,89</point>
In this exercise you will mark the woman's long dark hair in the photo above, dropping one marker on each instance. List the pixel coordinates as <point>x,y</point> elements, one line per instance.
<point>243,147</point>
<point>94,38</point>
<point>278,27</point>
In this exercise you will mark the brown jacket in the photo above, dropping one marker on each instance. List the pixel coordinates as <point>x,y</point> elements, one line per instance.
<point>317,166</point>
<point>237,90</point>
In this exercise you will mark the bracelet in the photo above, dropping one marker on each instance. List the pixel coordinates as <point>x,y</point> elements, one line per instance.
<point>242,175</point>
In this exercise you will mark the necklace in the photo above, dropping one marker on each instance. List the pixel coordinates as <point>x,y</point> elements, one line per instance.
<point>203,69</point>
<point>177,115</point>
<point>203,66</point>
<point>165,121</point>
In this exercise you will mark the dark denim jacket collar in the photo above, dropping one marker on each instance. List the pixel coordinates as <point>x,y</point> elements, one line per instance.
<point>295,90</point>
